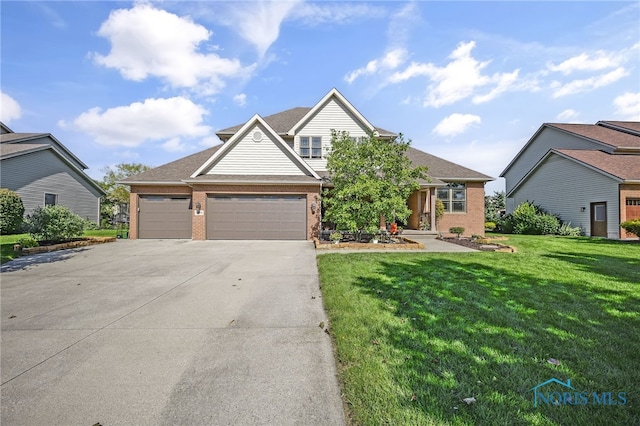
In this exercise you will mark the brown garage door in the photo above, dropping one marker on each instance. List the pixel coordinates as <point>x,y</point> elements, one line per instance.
<point>164,216</point>
<point>256,217</point>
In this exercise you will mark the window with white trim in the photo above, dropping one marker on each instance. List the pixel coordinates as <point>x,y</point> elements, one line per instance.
<point>50,199</point>
<point>454,197</point>
<point>310,147</point>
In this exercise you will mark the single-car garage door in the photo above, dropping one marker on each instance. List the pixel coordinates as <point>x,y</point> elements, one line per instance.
<point>257,217</point>
<point>164,216</point>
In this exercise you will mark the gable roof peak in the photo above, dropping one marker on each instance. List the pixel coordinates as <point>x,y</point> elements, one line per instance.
<point>333,93</point>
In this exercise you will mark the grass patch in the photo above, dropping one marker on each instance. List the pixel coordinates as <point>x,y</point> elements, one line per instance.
<point>417,333</point>
<point>7,242</point>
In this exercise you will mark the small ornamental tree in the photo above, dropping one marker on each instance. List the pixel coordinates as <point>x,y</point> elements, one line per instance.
<point>54,223</point>
<point>371,178</point>
<point>11,212</point>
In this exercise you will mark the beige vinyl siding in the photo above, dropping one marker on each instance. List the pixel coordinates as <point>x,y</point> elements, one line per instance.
<point>333,115</point>
<point>33,175</point>
<point>549,138</point>
<point>248,157</point>
<point>563,187</point>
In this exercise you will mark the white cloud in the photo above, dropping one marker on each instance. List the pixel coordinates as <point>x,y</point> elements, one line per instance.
<point>9,108</point>
<point>588,84</point>
<point>210,141</point>
<point>331,13</point>
<point>459,79</point>
<point>174,145</point>
<point>151,120</point>
<point>597,61</point>
<point>146,41</point>
<point>628,106</point>
<point>390,61</point>
<point>240,99</point>
<point>257,22</point>
<point>456,124</point>
<point>567,114</point>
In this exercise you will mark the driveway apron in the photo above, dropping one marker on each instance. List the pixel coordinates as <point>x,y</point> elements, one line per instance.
<point>167,332</point>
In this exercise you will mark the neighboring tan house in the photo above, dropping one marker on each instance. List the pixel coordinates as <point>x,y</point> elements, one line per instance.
<point>266,179</point>
<point>44,172</point>
<point>588,174</point>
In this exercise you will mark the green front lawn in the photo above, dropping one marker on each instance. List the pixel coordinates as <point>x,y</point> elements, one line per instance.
<point>7,241</point>
<point>415,334</point>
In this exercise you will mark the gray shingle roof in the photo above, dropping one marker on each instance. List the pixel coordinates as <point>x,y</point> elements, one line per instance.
<point>175,171</point>
<point>8,150</point>
<point>602,134</point>
<point>283,121</point>
<point>625,167</point>
<point>14,137</point>
<point>443,170</point>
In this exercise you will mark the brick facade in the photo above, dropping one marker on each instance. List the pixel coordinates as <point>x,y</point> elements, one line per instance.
<point>199,194</point>
<point>473,220</point>
<point>627,191</point>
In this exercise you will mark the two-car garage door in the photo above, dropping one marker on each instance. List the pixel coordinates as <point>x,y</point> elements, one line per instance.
<point>229,217</point>
<point>256,217</point>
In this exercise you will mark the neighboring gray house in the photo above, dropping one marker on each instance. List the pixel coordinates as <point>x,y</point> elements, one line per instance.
<point>44,172</point>
<point>588,174</point>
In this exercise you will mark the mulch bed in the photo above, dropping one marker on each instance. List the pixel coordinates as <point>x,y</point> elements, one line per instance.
<point>480,245</point>
<point>47,246</point>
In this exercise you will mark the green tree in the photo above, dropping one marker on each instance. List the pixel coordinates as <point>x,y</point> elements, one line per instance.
<point>371,177</point>
<point>493,204</point>
<point>117,194</point>
<point>11,212</point>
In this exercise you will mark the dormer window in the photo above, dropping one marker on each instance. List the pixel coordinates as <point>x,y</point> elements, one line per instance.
<point>310,147</point>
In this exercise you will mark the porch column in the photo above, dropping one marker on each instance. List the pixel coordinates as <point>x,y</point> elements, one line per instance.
<point>432,196</point>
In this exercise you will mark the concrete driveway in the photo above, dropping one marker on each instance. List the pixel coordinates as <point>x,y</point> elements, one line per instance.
<point>167,332</point>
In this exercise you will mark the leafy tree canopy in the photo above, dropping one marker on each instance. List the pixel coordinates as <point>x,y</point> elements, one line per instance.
<point>117,193</point>
<point>371,177</point>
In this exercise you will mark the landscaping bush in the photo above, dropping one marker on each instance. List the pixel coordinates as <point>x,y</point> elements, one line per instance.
<point>566,230</point>
<point>632,226</point>
<point>529,219</point>
<point>54,223</point>
<point>11,212</point>
<point>27,242</point>
<point>490,226</point>
<point>458,230</point>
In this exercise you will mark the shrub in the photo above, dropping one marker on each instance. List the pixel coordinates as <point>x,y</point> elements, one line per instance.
<point>458,230</point>
<point>55,223</point>
<point>490,226</point>
<point>632,226</point>
<point>27,242</point>
<point>335,236</point>
<point>11,212</point>
<point>90,225</point>
<point>529,219</point>
<point>566,230</point>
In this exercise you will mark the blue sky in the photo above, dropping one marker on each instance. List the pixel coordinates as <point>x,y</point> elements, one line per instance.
<point>151,82</point>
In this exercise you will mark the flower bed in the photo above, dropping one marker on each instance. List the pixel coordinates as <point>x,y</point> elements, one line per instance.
<point>80,242</point>
<point>397,243</point>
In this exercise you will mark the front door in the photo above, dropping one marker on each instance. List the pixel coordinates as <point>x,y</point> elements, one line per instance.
<point>598,219</point>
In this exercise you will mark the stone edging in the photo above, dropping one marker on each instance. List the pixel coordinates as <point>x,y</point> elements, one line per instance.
<point>412,245</point>
<point>72,244</point>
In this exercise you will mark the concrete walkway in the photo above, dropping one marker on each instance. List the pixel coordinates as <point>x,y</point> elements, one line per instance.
<point>170,332</point>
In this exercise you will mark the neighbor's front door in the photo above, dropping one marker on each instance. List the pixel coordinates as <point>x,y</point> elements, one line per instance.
<point>598,219</point>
